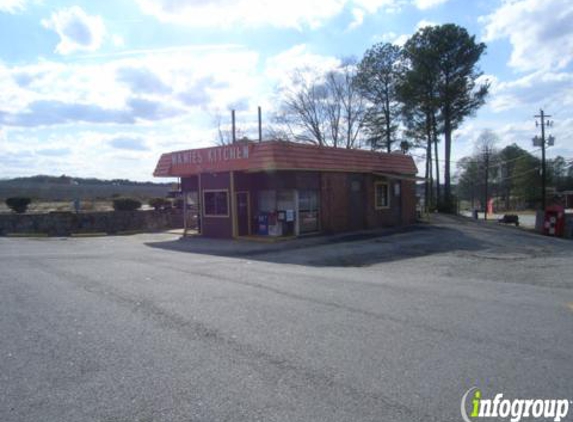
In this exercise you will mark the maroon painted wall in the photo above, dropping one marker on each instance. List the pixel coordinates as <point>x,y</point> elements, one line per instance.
<point>277,180</point>
<point>189,184</point>
<point>217,226</point>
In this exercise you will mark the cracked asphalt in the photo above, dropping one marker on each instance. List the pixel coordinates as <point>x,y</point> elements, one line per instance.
<point>395,327</point>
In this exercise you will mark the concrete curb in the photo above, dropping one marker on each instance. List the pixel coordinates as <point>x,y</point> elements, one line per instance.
<point>129,232</point>
<point>95,234</point>
<point>26,235</point>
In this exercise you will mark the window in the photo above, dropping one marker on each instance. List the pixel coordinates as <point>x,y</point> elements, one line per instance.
<point>285,200</point>
<point>381,196</point>
<point>267,201</point>
<point>216,203</point>
<point>308,203</point>
<point>276,200</point>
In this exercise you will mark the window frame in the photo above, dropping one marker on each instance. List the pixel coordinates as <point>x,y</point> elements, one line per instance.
<point>387,185</point>
<point>227,215</point>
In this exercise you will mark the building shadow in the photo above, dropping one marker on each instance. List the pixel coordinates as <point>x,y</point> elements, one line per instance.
<point>360,249</point>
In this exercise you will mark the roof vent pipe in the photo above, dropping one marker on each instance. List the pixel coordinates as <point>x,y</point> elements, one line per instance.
<point>260,125</point>
<point>233,125</point>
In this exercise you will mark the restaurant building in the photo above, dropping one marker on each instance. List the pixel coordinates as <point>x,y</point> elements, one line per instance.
<point>278,188</point>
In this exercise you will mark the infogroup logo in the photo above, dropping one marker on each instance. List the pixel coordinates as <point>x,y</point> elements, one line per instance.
<point>515,410</point>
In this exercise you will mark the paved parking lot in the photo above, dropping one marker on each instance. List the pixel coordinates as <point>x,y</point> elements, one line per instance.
<point>388,328</point>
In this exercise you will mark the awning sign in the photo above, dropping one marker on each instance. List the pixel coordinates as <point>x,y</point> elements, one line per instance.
<point>211,155</point>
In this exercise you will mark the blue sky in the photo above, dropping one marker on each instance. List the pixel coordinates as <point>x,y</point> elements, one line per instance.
<point>103,88</point>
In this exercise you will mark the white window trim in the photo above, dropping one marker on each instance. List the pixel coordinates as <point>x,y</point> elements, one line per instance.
<point>376,184</point>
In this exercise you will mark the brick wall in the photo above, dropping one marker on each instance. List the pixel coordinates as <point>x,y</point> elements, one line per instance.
<point>337,207</point>
<point>409,202</point>
<point>334,202</point>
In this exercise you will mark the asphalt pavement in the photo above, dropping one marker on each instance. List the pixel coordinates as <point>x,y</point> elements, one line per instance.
<point>392,327</point>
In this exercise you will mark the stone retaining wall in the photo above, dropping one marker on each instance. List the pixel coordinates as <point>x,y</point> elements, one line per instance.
<point>66,223</point>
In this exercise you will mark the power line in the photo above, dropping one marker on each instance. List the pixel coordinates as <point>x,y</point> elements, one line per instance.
<point>479,162</point>
<point>519,174</point>
<point>514,176</point>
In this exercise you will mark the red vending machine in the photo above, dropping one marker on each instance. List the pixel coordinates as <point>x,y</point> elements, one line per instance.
<point>554,222</point>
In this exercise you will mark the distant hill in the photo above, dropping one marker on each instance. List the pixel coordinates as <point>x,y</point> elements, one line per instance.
<point>66,188</point>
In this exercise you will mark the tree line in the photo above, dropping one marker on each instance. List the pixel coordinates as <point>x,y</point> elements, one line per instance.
<point>513,176</point>
<point>394,98</point>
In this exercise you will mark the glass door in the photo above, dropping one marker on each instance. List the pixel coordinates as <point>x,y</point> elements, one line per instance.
<point>308,211</point>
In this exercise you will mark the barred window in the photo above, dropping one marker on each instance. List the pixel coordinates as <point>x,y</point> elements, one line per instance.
<point>216,203</point>
<point>381,195</point>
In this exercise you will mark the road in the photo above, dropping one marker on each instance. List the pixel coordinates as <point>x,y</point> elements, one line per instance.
<point>394,328</point>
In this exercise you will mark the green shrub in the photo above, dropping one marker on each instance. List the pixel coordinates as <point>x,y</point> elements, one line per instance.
<point>159,203</point>
<point>18,204</point>
<point>126,204</point>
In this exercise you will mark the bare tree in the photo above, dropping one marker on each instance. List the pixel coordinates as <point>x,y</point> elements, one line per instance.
<point>323,109</point>
<point>303,112</point>
<point>486,141</point>
<point>487,157</point>
<point>348,102</point>
<point>225,131</point>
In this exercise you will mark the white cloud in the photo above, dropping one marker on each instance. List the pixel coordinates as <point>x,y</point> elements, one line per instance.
<point>118,41</point>
<point>373,6</point>
<point>358,15</point>
<point>244,12</point>
<point>522,132</point>
<point>142,80</point>
<point>129,91</point>
<point>77,30</point>
<point>428,4</point>
<point>279,69</point>
<point>385,37</point>
<point>91,118</point>
<point>128,143</point>
<point>540,32</point>
<point>130,154</point>
<point>538,89</point>
<point>511,106</point>
<point>12,6</point>
<point>291,14</point>
<point>400,39</point>
<point>423,23</point>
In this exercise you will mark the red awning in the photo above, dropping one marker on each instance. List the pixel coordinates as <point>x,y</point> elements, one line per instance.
<point>281,155</point>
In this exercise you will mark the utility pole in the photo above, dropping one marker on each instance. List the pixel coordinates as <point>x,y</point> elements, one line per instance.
<point>486,158</point>
<point>541,142</point>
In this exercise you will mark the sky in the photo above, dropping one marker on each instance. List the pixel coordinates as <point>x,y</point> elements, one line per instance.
<point>101,89</point>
